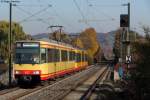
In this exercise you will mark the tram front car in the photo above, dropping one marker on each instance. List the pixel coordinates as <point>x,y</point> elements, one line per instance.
<point>27,58</point>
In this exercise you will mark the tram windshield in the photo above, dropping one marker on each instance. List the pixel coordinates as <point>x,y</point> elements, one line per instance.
<point>27,56</point>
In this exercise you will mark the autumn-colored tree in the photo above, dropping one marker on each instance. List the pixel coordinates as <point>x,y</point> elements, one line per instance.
<point>77,43</point>
<point>87,40</point>
<point>17,34</point>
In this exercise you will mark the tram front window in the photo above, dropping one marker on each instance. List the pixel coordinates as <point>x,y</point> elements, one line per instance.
<point>27,56</point>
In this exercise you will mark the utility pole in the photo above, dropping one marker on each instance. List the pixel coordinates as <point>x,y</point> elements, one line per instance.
<point>10,39</point>
<point>10,46</point>
<point>126,20</point>
<point>128,36</point>
<point>60,30</point>
<point>125,24</point>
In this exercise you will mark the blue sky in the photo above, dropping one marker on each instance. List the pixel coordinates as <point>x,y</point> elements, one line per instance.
<point>37,15</point>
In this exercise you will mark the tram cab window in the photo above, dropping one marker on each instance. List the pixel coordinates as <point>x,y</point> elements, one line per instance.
<point>43,55</point>
<point>27,56</point>
<point>35,58</point>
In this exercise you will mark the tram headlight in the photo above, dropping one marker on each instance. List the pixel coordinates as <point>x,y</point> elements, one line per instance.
<point>17,72</point>
<point>36,72</point>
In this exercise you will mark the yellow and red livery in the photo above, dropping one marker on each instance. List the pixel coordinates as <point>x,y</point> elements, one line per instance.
<point>42,60</point>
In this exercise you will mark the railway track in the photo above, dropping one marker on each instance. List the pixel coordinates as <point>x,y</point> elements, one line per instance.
<point>5,91</point>
<point>51,91</point>
<point>85,86</point>
<point>89,92</point>
<point>17,92</point>
<point>104,77</point>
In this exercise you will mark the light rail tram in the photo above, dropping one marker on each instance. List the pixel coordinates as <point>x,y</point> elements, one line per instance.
<point>37,61</point>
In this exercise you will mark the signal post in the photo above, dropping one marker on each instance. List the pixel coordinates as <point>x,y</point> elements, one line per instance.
<point>125,37</point>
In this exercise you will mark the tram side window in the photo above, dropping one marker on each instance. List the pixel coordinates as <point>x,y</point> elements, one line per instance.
<point>78,57</point>
<point>56,55</point>
<point>82,56</point>
<point>71,56</point>
<point>43,55</point>
<point>64,55</point>
<point>50,55</point>
<point>86,58</point>
<point>53,55</point>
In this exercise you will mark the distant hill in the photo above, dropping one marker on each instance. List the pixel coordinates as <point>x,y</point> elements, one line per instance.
<point>107,42</point>
<point>46,35</point>
<point>40,35</point>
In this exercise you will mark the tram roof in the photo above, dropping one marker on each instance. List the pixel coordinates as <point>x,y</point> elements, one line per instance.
<point>52,42</point>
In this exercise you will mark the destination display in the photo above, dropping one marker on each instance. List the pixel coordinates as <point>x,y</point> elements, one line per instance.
<point>19,45</point>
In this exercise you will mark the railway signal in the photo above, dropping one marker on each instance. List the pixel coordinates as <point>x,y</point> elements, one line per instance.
<point>124,20</point>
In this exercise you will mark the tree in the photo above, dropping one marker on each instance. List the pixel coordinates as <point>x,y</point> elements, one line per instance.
<point>147,32</point>
<point>17,34</point>
<point>116,48</point>
<point>77,43</point>
<point>88,40</point>
<point>142,59</point>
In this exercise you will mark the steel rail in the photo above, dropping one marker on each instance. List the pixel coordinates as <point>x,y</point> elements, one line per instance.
<point>88,93</point>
